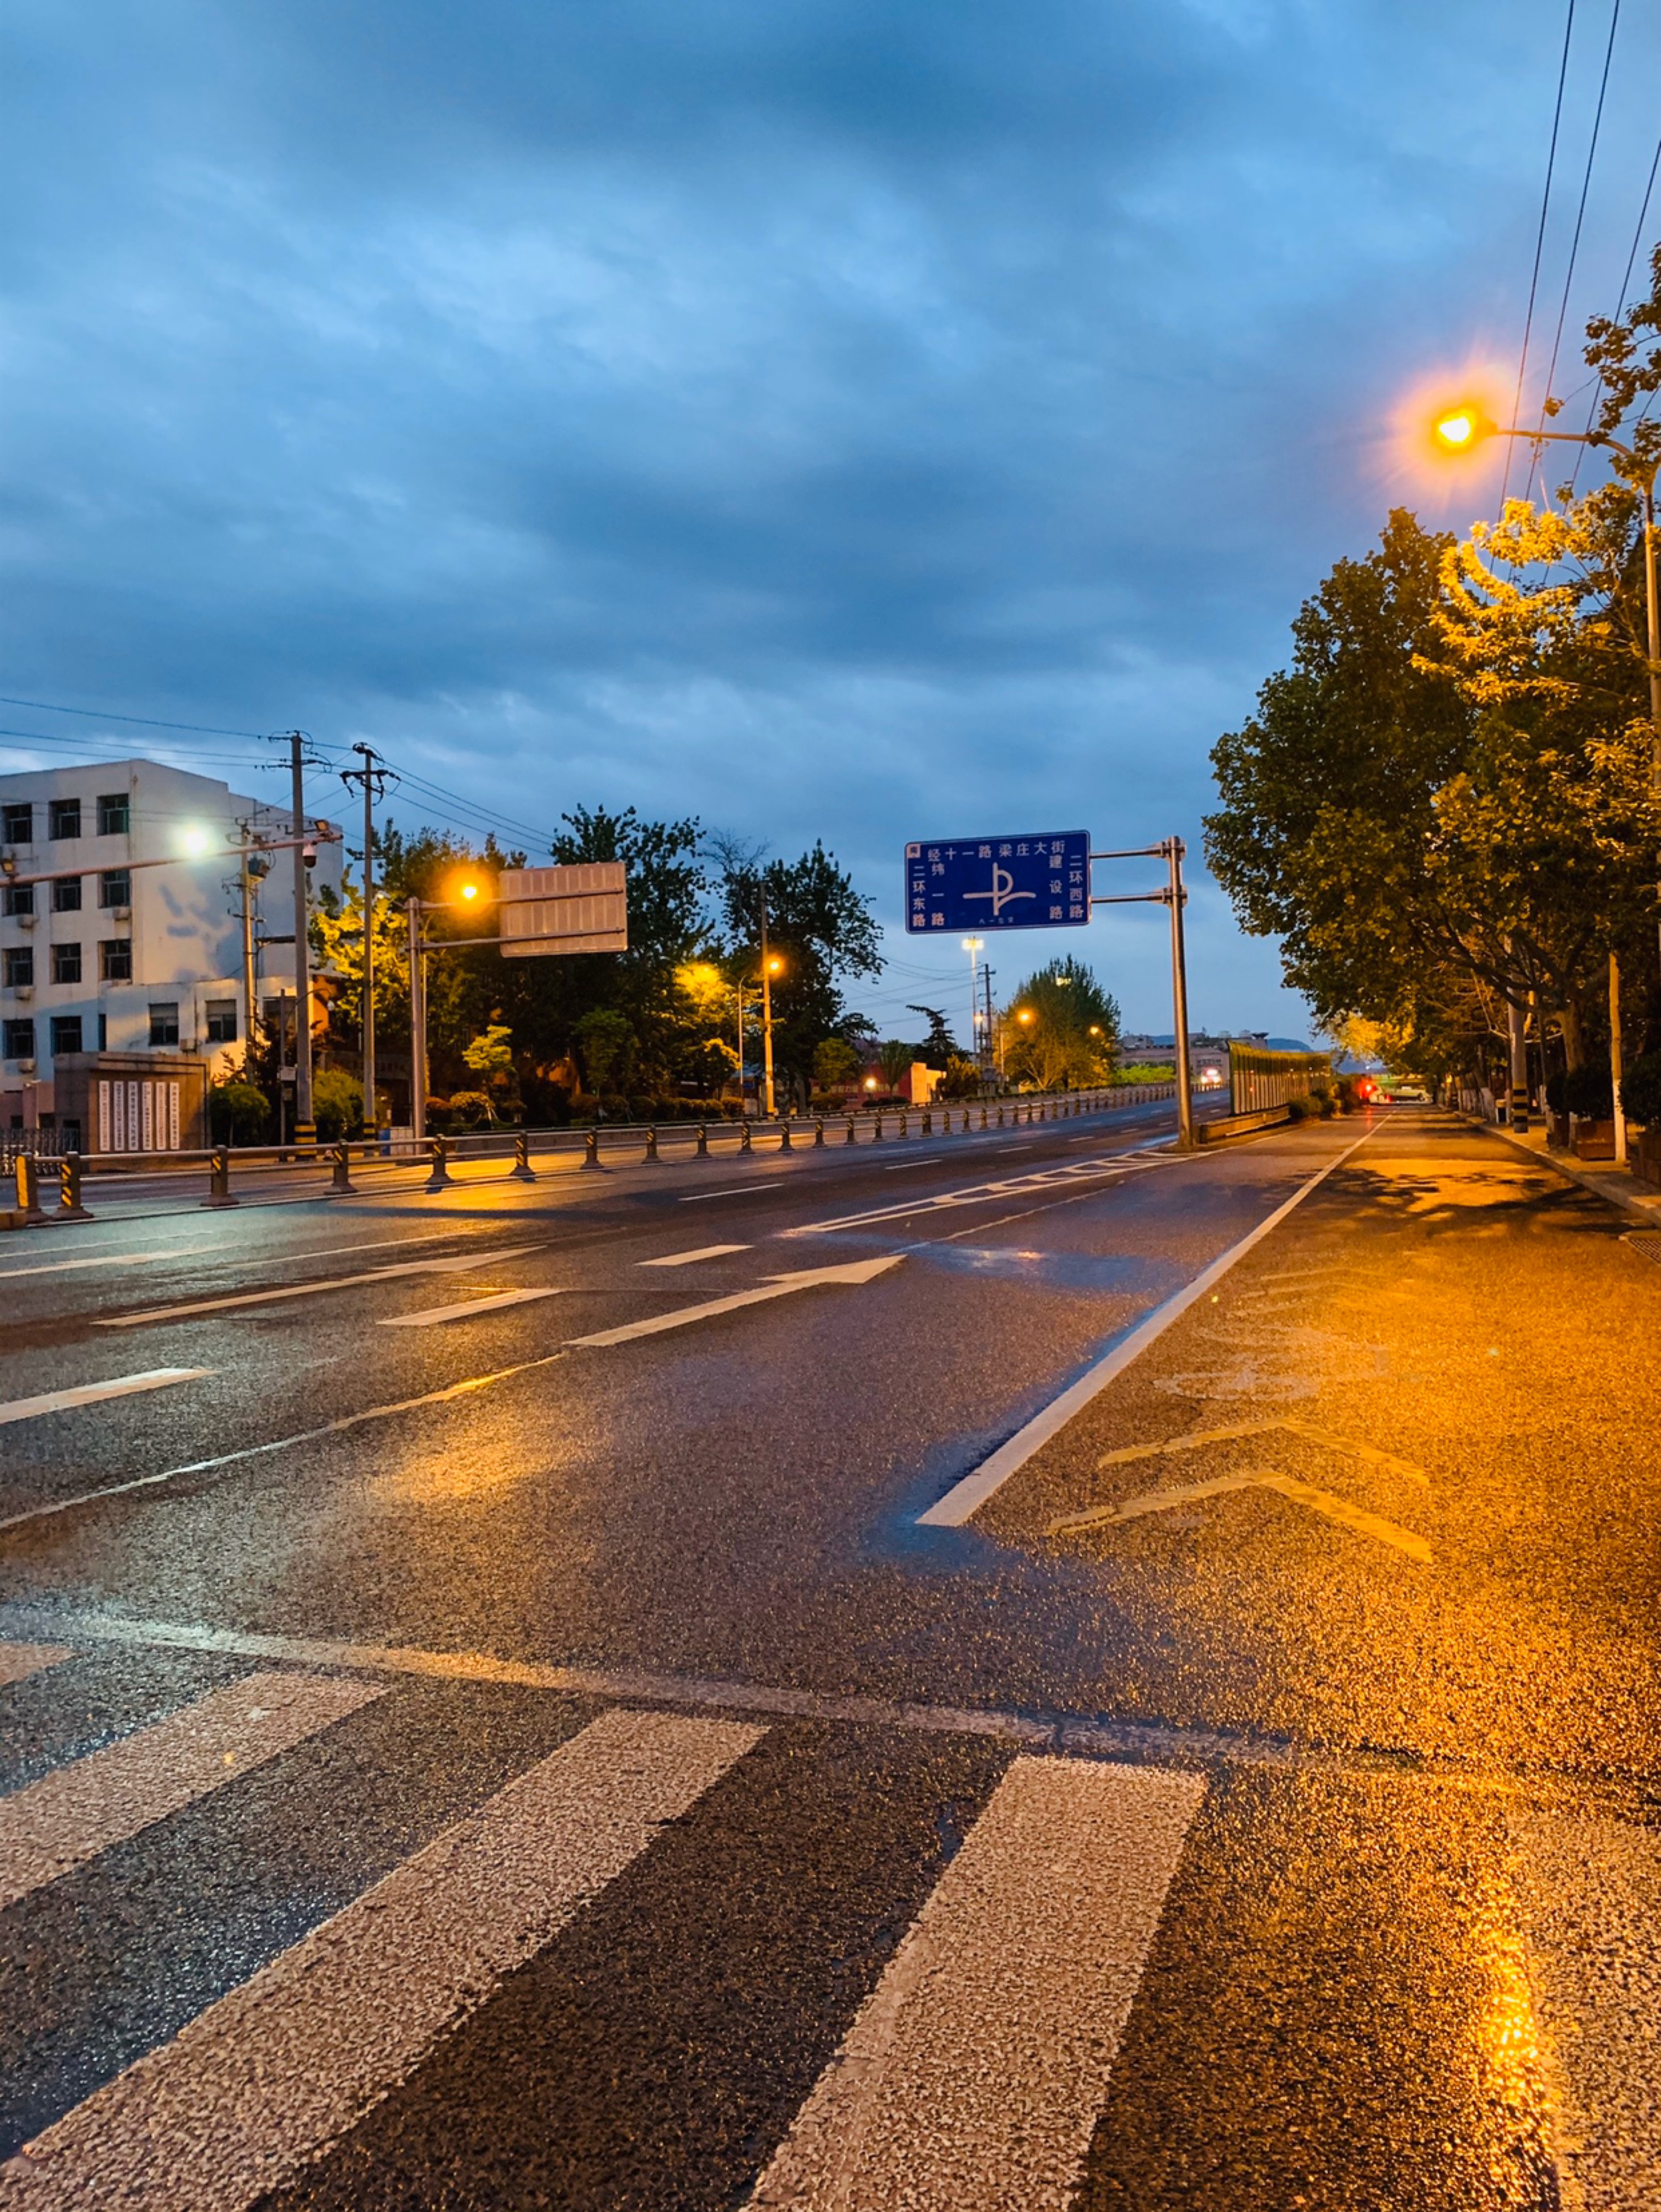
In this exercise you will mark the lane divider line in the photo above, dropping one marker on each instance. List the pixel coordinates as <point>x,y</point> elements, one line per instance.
<point>93,1393</point>
<point>81,1809</point>
<point>262,2080</point>
<point>685,1259</point>
<point>1045,1916</point>
<point>454,1264</point>
<point>966,1497</point>
<point>432,1316</point>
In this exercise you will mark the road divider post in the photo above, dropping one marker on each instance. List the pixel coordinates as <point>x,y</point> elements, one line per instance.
<point>521,1170</point>
<point>219,1178</point>
<point>440,1149</point>
<point>69,1207</point>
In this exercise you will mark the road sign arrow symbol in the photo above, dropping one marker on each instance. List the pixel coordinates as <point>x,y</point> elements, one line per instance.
<point>1326,1502</point>
<point>776,1286</point>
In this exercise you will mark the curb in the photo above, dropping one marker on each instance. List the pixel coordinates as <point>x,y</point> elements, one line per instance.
<point>1647,1211</point>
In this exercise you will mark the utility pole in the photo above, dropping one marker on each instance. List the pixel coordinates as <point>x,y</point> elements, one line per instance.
<point>373,775</point>
<point>417,1023</point>
<point>253,868</point>
<point>305,1128</point>
<point>993,1042</point>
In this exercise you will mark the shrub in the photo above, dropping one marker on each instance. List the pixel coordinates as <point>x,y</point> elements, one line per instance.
<point>1302,1110</point>
<point>238,1114</point>
<point>613,1106</point>
<point>470,1108</point>
<point>1640,1091</point>
<point>336,1105</point>
<point>1589,1092</point>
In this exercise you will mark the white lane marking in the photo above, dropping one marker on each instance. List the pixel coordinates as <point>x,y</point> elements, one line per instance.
<point>19,1660</point>
<point>776,1286</point>
<point>83,1808</point>
<point>967,1496</point>
<point>453,1266</point>
<point>276,1443</point>
<point>1324,1502</point>
<point>1591,1892</point>
<point>1281,1424</point>
<point>254,2085</point>
<point>922,1160</point>
<point>685,1259</point>
<point>1001,1148</point>
<point>980,1193</point>
<point>92,1393</point>
<point>736,1190</point>
<point>430,1316</point>
<point>973,2075</point>
<point>223,1252</point>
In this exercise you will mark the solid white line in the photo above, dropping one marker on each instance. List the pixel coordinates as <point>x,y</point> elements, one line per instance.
<point>973,2075</point>
<point>780,1286</point>
<point>430,1316</point>
<point>83,1808</point>
<point>685,1259</point>
<point>453,1266</point>
<point>263,2079</point>
<point>277,1444</point>
<point>966,1497</point>
<point>92,1393</point>
<point>19,1660</point>
<point>222,1252</point>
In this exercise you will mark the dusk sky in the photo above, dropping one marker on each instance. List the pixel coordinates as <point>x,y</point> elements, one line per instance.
<point>828,419</point>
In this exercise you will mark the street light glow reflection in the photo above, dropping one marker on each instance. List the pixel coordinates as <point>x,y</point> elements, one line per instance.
<point>195,840</point>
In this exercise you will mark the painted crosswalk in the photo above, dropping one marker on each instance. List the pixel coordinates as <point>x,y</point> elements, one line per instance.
<point>833,1965</point>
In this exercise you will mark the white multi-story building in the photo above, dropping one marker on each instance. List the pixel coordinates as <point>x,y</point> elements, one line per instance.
<point>127,943</point>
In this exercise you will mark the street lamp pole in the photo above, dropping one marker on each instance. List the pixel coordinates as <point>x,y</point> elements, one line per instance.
<point>766,1014</point>
<point>417,1023</point>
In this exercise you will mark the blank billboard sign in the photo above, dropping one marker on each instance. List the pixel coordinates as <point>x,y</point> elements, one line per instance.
<point>582,908</point>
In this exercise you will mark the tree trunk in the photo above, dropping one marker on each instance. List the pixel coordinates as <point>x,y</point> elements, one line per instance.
<point>1575,1045</point>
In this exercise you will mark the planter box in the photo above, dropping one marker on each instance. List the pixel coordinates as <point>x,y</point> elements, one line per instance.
<point>1557,1132</point>
<point>1593,1140</point>
<point>1644,1152</point>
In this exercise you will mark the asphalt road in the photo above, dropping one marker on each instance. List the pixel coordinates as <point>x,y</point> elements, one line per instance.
<point>1010,1670</point>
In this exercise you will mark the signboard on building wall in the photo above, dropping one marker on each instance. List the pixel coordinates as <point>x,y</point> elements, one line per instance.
<point>580,908</point>
<point>980,884</point>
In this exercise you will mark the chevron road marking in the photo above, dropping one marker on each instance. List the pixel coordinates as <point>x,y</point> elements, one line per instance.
<point>1325,1502</point>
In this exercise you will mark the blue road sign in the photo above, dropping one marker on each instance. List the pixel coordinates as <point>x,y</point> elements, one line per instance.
<point>977,884</point>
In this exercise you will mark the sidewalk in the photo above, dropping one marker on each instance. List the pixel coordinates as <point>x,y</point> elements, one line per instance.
<point>1619,1186</point>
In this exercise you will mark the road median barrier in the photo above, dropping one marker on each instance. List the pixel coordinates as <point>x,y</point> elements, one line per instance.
<point>1241,1125</point>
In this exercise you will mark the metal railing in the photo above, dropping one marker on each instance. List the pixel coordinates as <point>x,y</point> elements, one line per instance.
<point>230,1168</point>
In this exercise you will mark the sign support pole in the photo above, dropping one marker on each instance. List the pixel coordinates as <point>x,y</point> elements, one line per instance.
<point>1178,898</point>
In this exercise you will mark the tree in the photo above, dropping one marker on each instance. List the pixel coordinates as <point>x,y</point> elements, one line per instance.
<point>895,1061</point>
<point>1062,1027</point>
<point>940,1048</point>
<point>820,928</point>
<point>836,1064</point>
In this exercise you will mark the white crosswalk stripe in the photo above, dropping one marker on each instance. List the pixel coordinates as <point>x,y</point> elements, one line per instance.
<point>83,1808</point>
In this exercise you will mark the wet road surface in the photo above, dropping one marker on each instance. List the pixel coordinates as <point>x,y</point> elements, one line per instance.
<point>632,1690</point>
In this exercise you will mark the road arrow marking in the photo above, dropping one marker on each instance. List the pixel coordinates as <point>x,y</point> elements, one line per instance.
<point>1285,1485</point>
<point>776,1286</point>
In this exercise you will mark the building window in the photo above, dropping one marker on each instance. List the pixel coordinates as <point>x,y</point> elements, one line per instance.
<point>164,1022</point>
<point>64,817</point>
<point>19,1040</point>
<point>221,1021</point>
<point>20,966</point>
<point>17,823</point>
<point>115,888</point>
<point>115,960</point>
<point>19,898</point>
<point>65,1033</point>
<point>66,895</point>
<point>103,1032</point>
<point>112,813</point>
<point>66,963</point>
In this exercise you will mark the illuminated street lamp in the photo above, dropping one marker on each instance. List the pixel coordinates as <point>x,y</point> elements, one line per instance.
<point>974,946</point>
<point>1460,428</point>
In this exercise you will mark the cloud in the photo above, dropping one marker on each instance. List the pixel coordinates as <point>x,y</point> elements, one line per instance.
<point>835,419</point>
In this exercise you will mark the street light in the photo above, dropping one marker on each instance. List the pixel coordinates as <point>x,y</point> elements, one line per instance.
<point>973,947</point>
<point>1457,429</point>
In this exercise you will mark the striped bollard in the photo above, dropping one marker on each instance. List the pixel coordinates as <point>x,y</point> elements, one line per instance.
<point>440,1177</point>
<point>819,1134</point>
<point>703,1151</point>
<point>745,1142</point>
<point>219,1178</point>
<point>785,1144</point>
<point>28,1174</point>
<point>652,1143</point>
<point>521,1170</point>
<point>69,1207</point>
<point>591,1148</point>
<point>340,1179</point>
<point>850,1138</point>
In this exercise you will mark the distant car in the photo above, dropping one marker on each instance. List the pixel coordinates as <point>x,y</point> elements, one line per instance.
<point>1409,1094</point>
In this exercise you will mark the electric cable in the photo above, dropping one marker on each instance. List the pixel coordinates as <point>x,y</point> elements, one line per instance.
<point>1621,305</point>
<point>1580,212</point>
<point>1539,247</point>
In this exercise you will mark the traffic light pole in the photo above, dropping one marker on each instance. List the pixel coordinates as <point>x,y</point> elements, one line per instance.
<point>1171,850</point>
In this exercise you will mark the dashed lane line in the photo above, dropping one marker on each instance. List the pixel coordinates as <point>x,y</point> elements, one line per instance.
<point>972,2076</point>
<point>454,1265</point>
<point>225,1252</point>
<point>685,1259</point>
<point>255,2085</point>
<point>432,1316</point>
<point>777,1286</point>
<point>967,1496</point>
<point>81,1809</point>
<point>93,1393</point>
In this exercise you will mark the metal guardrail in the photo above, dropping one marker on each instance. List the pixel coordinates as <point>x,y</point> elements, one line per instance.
<point>227,1165</point>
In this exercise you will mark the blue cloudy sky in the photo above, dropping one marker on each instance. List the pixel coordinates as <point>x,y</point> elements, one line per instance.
<point>825,417</point>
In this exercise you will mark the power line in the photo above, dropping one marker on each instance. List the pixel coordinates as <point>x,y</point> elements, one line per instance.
<point>1539,247</point>
<point>149,721</point>
<point>1580,213</point>
<point>1621,305</point>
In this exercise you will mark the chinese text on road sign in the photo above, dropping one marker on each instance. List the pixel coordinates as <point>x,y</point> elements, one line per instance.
<point>999,883</point>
